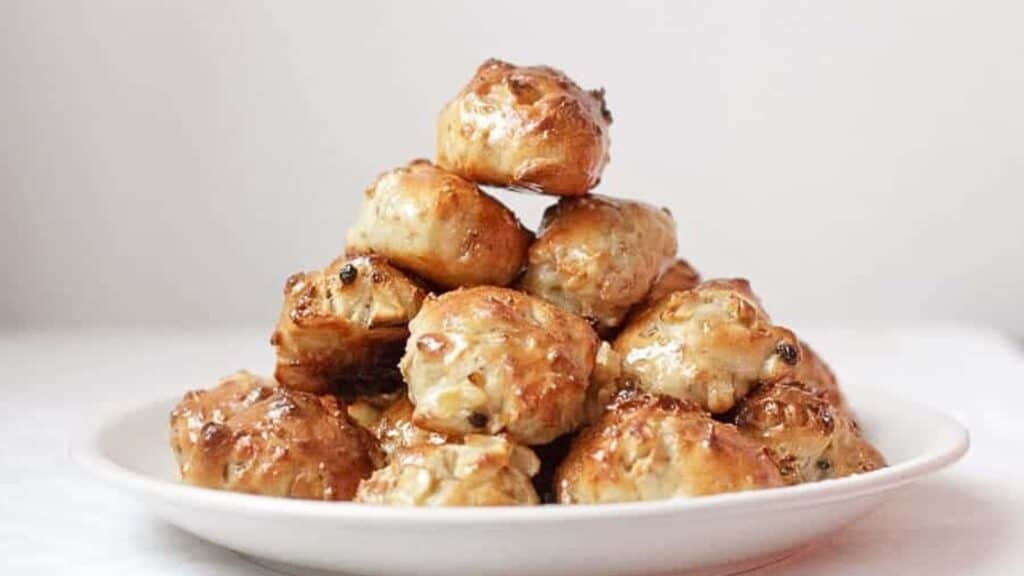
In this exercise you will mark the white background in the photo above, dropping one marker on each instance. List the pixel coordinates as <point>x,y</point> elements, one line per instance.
<point>170,163</point>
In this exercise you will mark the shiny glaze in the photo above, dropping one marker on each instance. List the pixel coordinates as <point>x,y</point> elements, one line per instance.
<point>810,438</point>
<point>655,447</point>
<point>481,471</point>
<point>528,127</point>
<point>248,436</point>
<point>395,430</point>
<point>679,275</point>
<point>711,345</point>
<point>440,227</point>
<point>493,360</point>
<point>597,257</point>
<point>345,337</point>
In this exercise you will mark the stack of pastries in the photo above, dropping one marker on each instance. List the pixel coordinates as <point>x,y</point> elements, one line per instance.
<point>452,357</point>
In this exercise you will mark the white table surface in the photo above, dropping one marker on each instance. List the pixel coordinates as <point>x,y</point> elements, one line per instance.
<point>53,519</point>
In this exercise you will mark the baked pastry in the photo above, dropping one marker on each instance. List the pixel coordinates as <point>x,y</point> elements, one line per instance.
<point>679,276</point>
<point>343,329</point>
<point>597,256</point>
<point>395,430</point>
<point>482,471</point>
<point>815,375</point>
<point>440,227</point>
<point>494,360</point>
<point>246,435</point>
<point>605,381</point>
<point>710,345</point>
<point>654,447</point>
<point>526,127</point>
<point>366,410</point>
<point>810,438</point>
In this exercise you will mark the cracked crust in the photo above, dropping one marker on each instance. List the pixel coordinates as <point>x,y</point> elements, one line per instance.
<point>440,227</point>
<point>494,360</point>
<point>527,127</point>
<point>597,257</point>
<point>247,435</point>
<point>809,437</point>
<point>343,329</point>
<point>710,345</point>
<point>482,471</point>
<point>654,447</point>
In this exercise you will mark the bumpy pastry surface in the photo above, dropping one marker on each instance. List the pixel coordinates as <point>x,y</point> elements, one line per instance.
<point>482,471</point>
<point>654,447</point>
<point>343,328</point>
<point>440,227</point>
<point>809,438</point>
<point>679,276</point>
<point>247,435</point>
<point>597,256</point>
<point>494,360</point>
<point>527,127</point>
<point>605,382</point>
<point>814,374</point>
<point>395,430</point>
<point>710,345</point>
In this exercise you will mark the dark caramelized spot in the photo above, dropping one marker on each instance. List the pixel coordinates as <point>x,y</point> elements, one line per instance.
<point>348,274</point>
<point>213,434</point>
<point>477,420</point>
<point>787,352</point>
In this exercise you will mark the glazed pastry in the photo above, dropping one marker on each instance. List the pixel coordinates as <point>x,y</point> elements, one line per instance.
<point>710,345</point>
<point>652,447</point>
<point>527,127</point>
<point>482,471</point>
<point>814,374</point>
<point>247,435</point>
<point>343,329</point>
<point>395,430</point>
<point>494,360</point>
<point>810,439</point>
<point>597,257</point>
<point>443,228</point>
<point>605,382</point>
<point>366,410</point>
<point>679,276</point>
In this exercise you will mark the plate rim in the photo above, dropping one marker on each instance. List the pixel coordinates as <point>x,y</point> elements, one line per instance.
<point>86,449</point>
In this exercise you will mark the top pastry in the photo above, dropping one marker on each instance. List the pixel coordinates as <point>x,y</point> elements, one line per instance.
<point>528,127</point>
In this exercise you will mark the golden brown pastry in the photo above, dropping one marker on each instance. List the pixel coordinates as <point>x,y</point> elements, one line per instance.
<point>605,381</point>
<point>343,329</point>
<point>482,471</point>
<point>395,430</point>
<point>526,127</point>
<point>441,227</point>
<point>493,360</point>
<point>710,345</point>
<point>653,447</point>
<point>597,256</point>
<point>677,277</point>
<point>815,375</point>
<point>246,435</point>
<point>810,439</point>
<point>366,410</point>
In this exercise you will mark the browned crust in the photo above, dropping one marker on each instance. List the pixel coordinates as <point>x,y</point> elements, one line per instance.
<point>440,227</point>
<point>553,134</point>
<point>345,337</point>
<point>276,442</point>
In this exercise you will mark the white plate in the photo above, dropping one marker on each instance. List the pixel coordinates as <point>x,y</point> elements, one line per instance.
<point>709,535</point>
